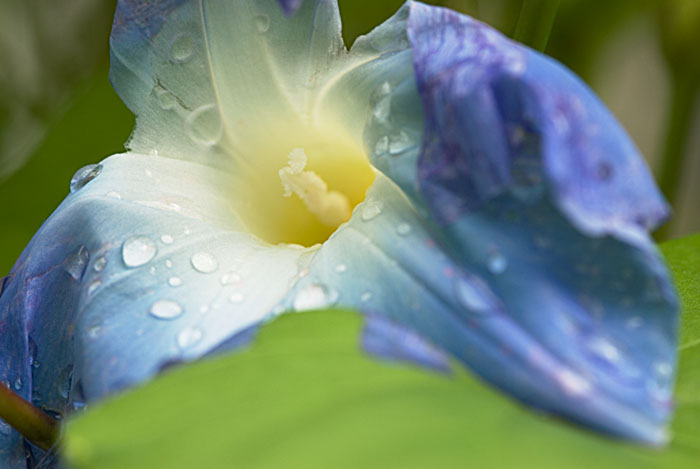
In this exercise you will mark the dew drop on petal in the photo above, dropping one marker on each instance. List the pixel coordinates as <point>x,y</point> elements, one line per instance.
<point>634,322</point>
<point>166,239</point>
<point>182,48</point>
<point>94,285</point>
<point>236,297</point>
<point>138,250</point>
<point>114,195</point>
<point>382,145</point>
<point>64,381</point>
<point>572,383</point>
<point>166,99</point>
<point>99,264</point>
<point>366,296</point>
<point>77,263</point>
<point>262,23</point>
<point>188,337</point>
<point>399,143</point>
<point>175,281</point>
<point>371,209</point>
<point>204,262</point>
<point>341,268</point>
<point>470,296</point>
<point>168,263</point>
<point>84,175</point>
<point>314,296</point>
<point>382,108</point>
<point>204,125</point>
<point>497,263</point>
<point>166,309</point>
<point>403,229</point>
<point>94,332</point>
<point>18,384</point>
<point>230,278</point>
<point>5,428</point>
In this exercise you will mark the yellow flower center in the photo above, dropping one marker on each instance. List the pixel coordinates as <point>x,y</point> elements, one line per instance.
<point>301,184</point>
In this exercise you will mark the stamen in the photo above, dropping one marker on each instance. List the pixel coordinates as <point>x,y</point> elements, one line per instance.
<point>330,207</point>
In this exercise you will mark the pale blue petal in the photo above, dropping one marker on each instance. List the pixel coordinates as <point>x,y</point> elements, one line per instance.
<point>143,266</point>
<point>543,312</point>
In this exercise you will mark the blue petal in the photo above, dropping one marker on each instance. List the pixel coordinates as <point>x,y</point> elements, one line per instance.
<point>528,208</point>
<point>386,339</point>
<point>501,117</point>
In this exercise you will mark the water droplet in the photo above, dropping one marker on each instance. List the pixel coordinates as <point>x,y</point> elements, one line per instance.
<point>230,278</point>
<point>236,297</point>
<point>188,337</point>
<point>168,263</point>
<point>371,209</point>
<point>663,369</point>
<point>382,145</point>
<point>175,281</point>
<point>572,383</point>
<point>167,239</point>
<point>94,285</point>
<point>204,309</point>
<point>33,351</point>
<point>497,263</point>
<point>604,349</point>
<point>114,195</point>
<point>153,270</point>
<point>341,268</point>
<point>138,251</point>
<point>182,48</point>
<point>65,378</point>
<point>382,109</point>
<point>262,23</point>
<point>403,229</point>
<point>399,143</point>
<point>18,384</point>
<point>315,296</point>
<point>94,332</point>
<point>204,262</point>
<point>366,296</point>
<point>84,175</point>
<point>204,125</point>
<point>77,262</point>
<point>99,264</point>
<point>166,99</point>
<point>5,429</point>
<point>471,295</point>
<point>634,322</point>
<point>166,309</point>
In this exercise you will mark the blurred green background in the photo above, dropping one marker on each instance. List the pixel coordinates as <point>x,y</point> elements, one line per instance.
<point>58,111</point>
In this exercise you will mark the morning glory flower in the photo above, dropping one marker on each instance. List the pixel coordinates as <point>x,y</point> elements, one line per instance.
<point>471,197</point>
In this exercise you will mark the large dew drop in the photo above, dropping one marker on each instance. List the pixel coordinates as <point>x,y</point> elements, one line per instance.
<point>166,309</point>
<point>77,262</point>
<point>204,262</point>
<point>204,125</point>
<point>84,175</point>
<point>138,251</point>
<point>182,48</point>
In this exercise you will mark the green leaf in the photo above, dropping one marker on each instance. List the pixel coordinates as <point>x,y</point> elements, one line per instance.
<point>305,395</point>
<point>683,256</point>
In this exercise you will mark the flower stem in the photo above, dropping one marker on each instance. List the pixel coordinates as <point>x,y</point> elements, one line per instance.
<point>35,425</point>
<point>535,23</point>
